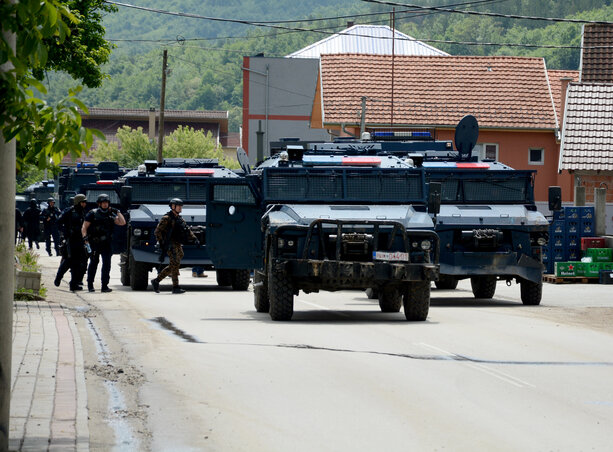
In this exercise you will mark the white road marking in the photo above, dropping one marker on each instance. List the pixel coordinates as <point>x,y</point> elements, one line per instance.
<point>487,370</point>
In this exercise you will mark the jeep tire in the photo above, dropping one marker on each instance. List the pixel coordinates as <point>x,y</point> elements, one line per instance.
<point>531,292</point>
<point>224,277</point>
<point>240,279</point>
<point>483,286</point>
<point>139,273</point>
<point>416,300</point>
<point>281,294</point>
<point>446,282</point>
<point>124,270</point>
<point>260,292</point>
<point>390,299</point>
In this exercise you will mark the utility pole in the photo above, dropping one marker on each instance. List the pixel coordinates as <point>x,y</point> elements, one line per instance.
<point>162,101</point>
<point>7,251</point>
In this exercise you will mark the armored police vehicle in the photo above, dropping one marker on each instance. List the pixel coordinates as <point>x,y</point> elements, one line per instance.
<point>71,179</point>
<point>330,223</point>
<point>146,193</point>
<point>488,223</point>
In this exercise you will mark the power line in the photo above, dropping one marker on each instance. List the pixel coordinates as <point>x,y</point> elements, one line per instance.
<point>438,41</point>
<point>480,13</point>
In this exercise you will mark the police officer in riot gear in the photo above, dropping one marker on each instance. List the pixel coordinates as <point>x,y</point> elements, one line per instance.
<point>97,233</point>
<point>31,218</point>
<point>73,254</point>
<point>171,233</point>
<point>50,216</point>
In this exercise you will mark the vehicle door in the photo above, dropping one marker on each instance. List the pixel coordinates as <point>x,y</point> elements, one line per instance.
<point>233,225</point>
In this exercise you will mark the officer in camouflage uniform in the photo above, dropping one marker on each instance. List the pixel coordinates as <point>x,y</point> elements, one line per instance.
<point>172,233</point>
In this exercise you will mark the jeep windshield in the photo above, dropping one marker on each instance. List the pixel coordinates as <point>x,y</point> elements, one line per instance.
<point>485,188</point>
<point>343,185</point>
<point>160,191</point>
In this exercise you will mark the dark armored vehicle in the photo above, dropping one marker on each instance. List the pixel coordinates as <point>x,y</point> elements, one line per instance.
<point>71,179</point>
<point>328,222</point>
<point>147,192</point>
<point>488,223</point>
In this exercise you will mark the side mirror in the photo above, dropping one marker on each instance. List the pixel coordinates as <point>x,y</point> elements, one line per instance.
<point>434,198</point>
<point>555,198</point>
<point>125,197</point>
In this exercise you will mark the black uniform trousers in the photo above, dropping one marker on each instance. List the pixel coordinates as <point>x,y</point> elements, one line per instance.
<point>75,260</point>
<point>100,250</point>
<point>52,232</point>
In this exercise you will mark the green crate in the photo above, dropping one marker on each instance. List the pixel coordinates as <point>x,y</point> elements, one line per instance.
<point>579,268</point>
<point>566,269</point>
<point>600,254</point>
<point>606,265</point>
<point>592,269</point>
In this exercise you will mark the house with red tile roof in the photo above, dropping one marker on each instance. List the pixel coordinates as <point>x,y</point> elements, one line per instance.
<point>513,99</point>
<point>587,135</point>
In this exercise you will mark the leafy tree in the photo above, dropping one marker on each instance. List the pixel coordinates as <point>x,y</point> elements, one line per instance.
<point>134,147</point>
<point>49,35</point>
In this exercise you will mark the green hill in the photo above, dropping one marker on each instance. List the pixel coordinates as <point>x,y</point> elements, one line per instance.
<point>205,69</point>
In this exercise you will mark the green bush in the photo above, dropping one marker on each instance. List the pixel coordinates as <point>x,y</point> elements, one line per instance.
<point>26,260</point>
<point>134,147</point>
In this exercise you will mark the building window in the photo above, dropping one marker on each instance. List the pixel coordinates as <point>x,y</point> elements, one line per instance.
<point>536,157</point>
<point>486,151</point>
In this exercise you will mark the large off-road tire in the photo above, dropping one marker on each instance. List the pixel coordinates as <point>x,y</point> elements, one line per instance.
<point>139,273</point>
<point>224,277</point>
<point>446,282</point>
<point>241,279</point>
<point>124,270</point>
<point>260,292</point>
<point>390,299</point>
<point>531,292</point>
<point>372,293</point>
<point>416,301</point>
<point>483,286</point>
<point>281,295</point>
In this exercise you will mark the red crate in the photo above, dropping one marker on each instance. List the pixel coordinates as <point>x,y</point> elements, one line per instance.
<point>592,242</point>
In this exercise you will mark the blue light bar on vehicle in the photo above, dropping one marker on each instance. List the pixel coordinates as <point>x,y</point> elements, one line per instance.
<point>184,172</point>
<point>400,134</point>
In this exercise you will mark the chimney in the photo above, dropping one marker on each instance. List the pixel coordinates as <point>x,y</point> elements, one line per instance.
<point>565,81</point>
<point>350,23</point>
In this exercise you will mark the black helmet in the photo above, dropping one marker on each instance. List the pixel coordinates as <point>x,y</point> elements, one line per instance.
<point>33,203</point>
<point>103,197</point>
<point>50,200</point>
<point>176,202</point>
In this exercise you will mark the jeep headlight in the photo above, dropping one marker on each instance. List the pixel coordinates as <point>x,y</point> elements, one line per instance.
<point>137,232</point>
<point>425,245</point>
<point>542,241</point>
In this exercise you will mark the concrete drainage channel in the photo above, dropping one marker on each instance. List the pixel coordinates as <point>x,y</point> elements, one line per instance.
<point>125,440</point>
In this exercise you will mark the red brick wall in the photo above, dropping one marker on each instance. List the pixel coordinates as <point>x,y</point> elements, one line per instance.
<point>590,182</point>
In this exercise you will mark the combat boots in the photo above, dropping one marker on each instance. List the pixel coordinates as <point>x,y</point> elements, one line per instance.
<point>177,289</point>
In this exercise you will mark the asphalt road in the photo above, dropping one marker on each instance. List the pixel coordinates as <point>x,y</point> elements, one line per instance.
<point>209,373</point>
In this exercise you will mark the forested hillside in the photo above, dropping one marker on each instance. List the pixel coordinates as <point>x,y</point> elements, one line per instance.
<point>205,56</point>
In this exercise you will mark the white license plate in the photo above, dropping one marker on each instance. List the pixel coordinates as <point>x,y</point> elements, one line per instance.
<point>390,256</point>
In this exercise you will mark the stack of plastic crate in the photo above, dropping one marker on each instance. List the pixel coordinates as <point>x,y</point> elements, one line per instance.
<point>567,229</point>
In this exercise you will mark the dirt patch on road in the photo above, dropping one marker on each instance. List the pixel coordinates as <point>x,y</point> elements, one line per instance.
<point>593,318</point>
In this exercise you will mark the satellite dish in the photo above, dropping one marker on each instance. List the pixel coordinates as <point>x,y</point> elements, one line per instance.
<point>466,134</point>
<point>243,160</point>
